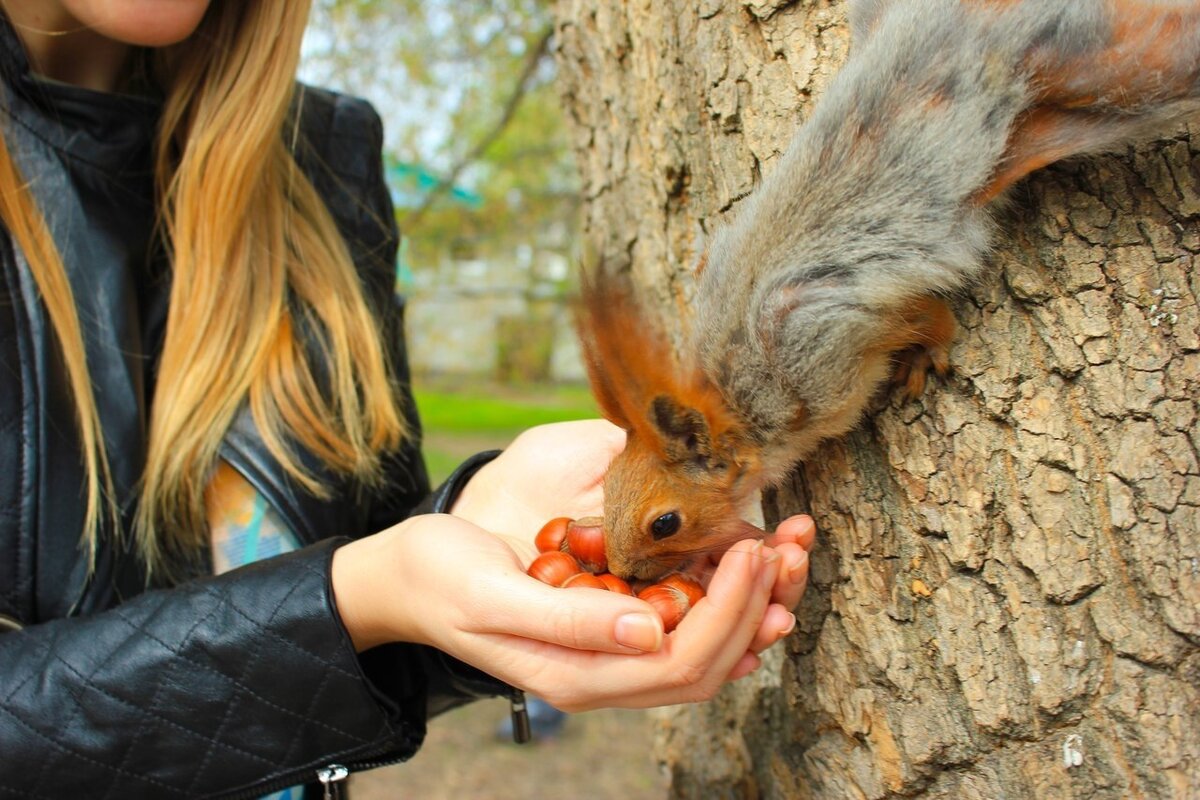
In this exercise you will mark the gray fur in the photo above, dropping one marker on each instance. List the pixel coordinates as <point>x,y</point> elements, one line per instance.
<point>876,207</point>
<point>871,205</point>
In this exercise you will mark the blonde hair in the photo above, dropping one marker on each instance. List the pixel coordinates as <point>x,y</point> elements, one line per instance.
<point>256,258</point>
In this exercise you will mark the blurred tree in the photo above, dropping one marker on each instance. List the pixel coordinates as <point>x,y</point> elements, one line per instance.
<point>466,91</point>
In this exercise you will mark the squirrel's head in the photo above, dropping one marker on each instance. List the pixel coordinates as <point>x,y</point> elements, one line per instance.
<point>676,492</point>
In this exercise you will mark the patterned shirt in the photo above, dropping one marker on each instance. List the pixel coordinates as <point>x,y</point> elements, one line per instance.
<point>245,528</point>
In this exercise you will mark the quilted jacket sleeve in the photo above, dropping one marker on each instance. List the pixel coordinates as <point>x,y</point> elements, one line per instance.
<point>233,684</point>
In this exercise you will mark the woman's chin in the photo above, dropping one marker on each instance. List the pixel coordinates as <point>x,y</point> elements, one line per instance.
<point>142,23</point>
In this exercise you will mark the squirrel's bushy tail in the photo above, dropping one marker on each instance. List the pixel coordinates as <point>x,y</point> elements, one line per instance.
<point>1090,94</point>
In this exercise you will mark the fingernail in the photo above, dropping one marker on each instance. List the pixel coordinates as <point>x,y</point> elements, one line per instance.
<point>799,571</point>
<point>791,626</point>
<point>639,631</point>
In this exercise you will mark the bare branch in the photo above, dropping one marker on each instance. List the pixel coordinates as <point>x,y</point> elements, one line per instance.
<point>485,141</point>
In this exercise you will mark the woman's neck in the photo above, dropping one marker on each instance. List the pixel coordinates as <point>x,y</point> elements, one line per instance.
<point>63,49</point>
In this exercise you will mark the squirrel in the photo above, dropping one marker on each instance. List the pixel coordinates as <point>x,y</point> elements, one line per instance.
<point>833,275</point>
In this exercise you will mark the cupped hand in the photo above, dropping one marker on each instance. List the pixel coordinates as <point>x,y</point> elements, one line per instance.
<point>442,581</point>
<point>557,470</point>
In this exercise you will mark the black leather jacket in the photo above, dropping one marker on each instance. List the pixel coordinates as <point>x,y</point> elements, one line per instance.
<point>225,686</point>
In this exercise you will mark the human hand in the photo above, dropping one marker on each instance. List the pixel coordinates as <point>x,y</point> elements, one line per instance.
<point>558,470</point>
<point>442,581</point>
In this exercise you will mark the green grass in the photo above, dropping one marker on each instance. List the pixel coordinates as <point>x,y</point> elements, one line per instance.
<point>459,422</point>
<point>501,410</point>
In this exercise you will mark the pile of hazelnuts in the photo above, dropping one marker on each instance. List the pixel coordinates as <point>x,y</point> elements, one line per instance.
<point>571,555</point>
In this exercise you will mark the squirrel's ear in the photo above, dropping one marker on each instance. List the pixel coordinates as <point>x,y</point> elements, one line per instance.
<point>684,432</point>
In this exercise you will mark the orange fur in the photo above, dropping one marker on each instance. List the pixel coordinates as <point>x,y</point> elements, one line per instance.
<point>1087,102</point>
<point>630,362</point>
<point>686,451</point>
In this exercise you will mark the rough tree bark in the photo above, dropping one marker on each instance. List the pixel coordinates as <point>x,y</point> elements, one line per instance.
<point>1006,597</point>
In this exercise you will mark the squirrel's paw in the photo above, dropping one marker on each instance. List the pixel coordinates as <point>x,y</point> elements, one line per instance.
<point>924,330</point>
<point>913,366</point>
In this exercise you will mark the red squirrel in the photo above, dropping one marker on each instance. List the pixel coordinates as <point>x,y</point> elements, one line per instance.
<point>831,276</point>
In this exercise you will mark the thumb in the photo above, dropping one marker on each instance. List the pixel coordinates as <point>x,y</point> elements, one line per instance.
<point>581,619</point>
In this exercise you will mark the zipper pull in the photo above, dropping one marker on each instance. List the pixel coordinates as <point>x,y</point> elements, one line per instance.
<point>522,733</point>
<point>331,778</point>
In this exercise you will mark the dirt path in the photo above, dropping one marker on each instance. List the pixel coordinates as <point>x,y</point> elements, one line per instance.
<point>601,754</point>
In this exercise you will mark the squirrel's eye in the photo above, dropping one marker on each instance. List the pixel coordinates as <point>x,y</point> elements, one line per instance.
<point>666,525</point>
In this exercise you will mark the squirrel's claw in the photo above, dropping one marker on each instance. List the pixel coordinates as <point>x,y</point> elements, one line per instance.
<point>914,364</point>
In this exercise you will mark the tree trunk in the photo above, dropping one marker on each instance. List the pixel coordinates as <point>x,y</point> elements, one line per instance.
<point>1006,591</point>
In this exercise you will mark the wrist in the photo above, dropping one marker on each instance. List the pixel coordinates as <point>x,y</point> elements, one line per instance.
<point>358,577</point>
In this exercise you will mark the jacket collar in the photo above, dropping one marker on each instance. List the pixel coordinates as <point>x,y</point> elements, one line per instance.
<point>100,128</point>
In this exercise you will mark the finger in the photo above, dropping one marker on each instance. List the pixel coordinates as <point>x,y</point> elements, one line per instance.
<point>777,623</point>
<point>799,529</point>
<point>718,631</point>
<point>613,436</point>
<point>595,443</point>
<point>793,575</point>
<point>747,664</point>
<point>692,664</point>
<point>580,619</point>
<point>711,642</point>
<point>748,530</point>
